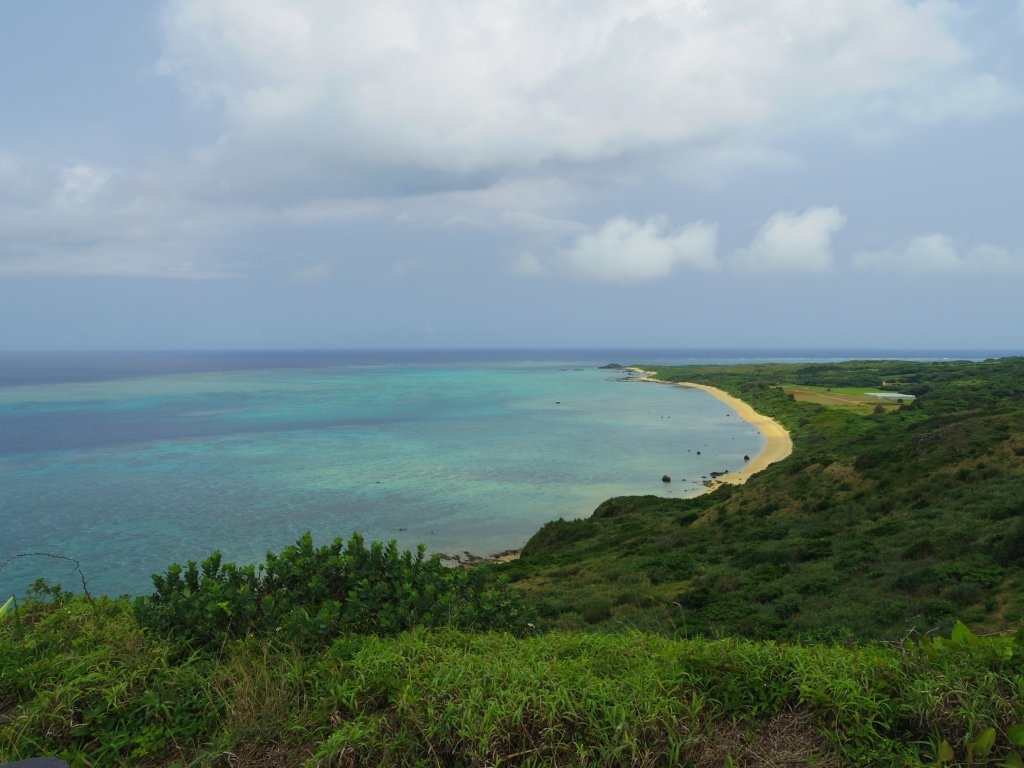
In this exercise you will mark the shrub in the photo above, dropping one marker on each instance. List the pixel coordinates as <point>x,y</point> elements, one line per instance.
<point>308,594</point>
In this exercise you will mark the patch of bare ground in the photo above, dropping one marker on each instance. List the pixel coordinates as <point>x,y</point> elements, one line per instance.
<point>789,740</point>
<point>264,755</point>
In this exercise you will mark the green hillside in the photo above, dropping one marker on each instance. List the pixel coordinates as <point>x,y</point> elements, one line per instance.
<point>807,618</point>
<point>879,523</point>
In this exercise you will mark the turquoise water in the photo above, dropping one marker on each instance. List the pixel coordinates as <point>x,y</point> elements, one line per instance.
<point>130,473</point>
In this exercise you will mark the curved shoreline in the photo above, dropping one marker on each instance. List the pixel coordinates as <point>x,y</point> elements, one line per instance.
<point>778,443</point>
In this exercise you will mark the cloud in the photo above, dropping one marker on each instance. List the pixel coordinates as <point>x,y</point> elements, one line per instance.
<point>510,116</point>
<point>938,253</point>
<point>623,249</point>
<point>23,183</point>
<point>82,219</point>
<point>336,210</point>
<point>79,184</point>
<point>793,242</point>
<point>518,203</point>
<point>89,220</point>
<point>403,95</point>
<point>528,264</point>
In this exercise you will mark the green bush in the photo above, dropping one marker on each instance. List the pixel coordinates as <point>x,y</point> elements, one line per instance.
<point>308,595</point>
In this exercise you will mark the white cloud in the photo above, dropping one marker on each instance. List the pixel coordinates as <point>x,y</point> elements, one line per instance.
<point>86,219</point>
<point>793,242</point>
<point>79,184</point>
<point>938,253</point>
<point>376,93</point>
<point>152,259</point>
<point>623,249</point>
<point>527,264</point>
<point>83,219</point>
<point>511,116</point>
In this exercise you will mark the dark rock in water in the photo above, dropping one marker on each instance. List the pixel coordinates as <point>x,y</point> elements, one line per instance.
<point>745,457</point>
<point>612,367</point>
<point>666,479</point>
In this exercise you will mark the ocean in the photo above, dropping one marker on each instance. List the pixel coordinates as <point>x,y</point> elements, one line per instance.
<point>127,461</point>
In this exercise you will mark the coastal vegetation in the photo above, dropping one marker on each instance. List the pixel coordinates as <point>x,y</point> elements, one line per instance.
<point>854,605</point>
<point>88,682</point>
<point>307,595</point>
<point>878,525</point>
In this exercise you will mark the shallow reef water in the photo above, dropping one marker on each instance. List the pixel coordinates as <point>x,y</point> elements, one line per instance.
<point>128,469</point>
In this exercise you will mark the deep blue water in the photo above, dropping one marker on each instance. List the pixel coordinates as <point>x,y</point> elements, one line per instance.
<point>129,461</point>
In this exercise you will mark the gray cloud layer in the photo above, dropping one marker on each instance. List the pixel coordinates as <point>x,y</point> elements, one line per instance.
<point>939,254</point>
<point>507,116</point>
<point>460,88</point>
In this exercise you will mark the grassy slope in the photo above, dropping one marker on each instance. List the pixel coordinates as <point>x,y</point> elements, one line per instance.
<point>878,524</point>
<point>86,683</point>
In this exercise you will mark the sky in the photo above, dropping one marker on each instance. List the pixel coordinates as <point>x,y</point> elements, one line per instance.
<point>517,173</point>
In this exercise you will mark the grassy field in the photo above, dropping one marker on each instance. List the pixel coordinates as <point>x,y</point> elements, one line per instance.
<point>855,399</point>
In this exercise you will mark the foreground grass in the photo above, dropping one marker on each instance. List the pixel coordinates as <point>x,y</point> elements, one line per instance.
<point>85,682</point>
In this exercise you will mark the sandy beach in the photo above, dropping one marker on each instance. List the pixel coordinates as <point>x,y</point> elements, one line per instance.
<point>778,444</point>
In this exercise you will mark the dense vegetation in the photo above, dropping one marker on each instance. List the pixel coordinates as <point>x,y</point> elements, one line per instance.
<point>844,567</point>
<point>86,681</point>
<point>308,595</point>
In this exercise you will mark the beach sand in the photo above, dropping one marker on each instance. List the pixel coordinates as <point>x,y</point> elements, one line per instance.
<point>778,444</point>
